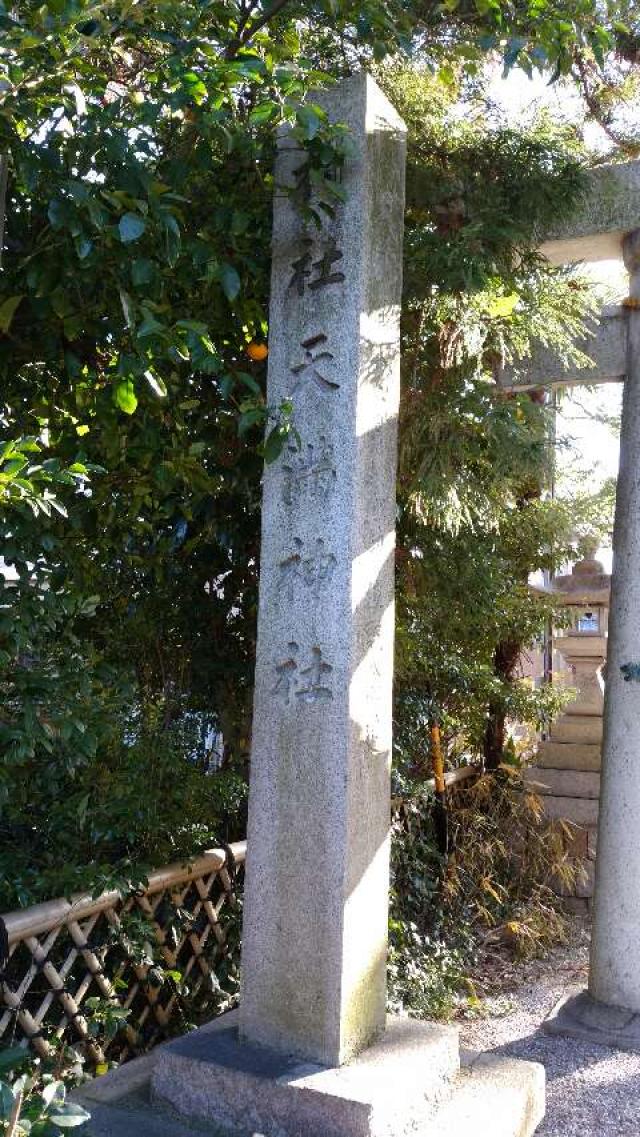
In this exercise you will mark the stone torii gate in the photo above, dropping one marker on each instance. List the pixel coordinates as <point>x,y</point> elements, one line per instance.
<point>608,227</point>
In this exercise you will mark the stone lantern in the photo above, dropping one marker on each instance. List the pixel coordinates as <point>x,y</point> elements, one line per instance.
<point>567,770</point>
<point>585,592</point>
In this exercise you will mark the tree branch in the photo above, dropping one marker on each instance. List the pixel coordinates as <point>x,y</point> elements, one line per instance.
<point>246,30</point>
<point>4,181</point>
<point>629,146</point>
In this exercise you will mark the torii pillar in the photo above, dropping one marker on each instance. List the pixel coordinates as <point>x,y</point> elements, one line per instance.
<point>609,226</point>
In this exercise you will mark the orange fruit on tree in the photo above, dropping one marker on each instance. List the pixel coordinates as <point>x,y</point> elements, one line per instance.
<point>257,351</point>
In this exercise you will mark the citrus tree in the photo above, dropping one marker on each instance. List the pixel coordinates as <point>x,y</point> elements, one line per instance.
<point>136,158</point>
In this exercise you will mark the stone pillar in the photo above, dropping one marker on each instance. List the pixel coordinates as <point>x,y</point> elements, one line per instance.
<point>609,1012</point>
<point>615,952</point>
<point>296,1059</point>
<point>315,916</point>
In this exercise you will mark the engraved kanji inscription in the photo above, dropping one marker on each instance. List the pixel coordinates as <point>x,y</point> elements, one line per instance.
<point>325,274</point>
<point>312,572</point>
<point>309,474</point>
<point>310,370</point>
<point>314,274</point>
<point>315,678</point>
<point>286,672</point>
<point>303,685</point>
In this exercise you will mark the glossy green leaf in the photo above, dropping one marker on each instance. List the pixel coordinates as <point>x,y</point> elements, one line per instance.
<point>131,227</point>
<point>230,281</point>
<point>8,310</point>
<point>69,1116</point>
<point>7,1101</point>
<point>125,396</point>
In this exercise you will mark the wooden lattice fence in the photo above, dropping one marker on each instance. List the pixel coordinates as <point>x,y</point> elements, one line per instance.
<point>165,955</point>
<point>72,967</point>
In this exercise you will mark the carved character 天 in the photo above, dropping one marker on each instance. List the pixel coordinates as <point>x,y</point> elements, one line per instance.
<point>308,370</point>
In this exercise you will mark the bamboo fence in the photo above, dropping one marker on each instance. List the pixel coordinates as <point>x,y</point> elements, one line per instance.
<point>72,966</point>
<point>148,954</point>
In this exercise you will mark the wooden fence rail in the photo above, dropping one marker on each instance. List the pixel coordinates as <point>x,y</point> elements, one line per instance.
<point>73,966</point>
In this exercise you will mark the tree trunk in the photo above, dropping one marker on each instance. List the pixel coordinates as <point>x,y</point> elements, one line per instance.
<point>505,661</point>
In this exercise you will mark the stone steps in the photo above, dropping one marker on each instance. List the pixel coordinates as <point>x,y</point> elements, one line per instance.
<point>568,756</point>
<point>567,776</point>
<point>493,1097</point>
<point>134,1117</point>
<point>390,1088</point>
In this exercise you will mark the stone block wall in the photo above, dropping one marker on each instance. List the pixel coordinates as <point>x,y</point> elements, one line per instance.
<point>567,769</point>
<point>567,777</point>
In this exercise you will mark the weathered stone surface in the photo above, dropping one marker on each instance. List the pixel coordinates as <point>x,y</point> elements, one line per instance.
<point>390,1089</point>
<point>494,1097</point>
<point>614,976</point>
<point>316,898</point>
<point>587,583</point>
<point>609,210</point>
<point>568,756</point>
<point>604,349</point>
<point>563,783</point>
<point>123,1081</point>
<point>577,845</point>
<point>578,728</point>
<point>586,675</point>
<point>581,1016</point>
<point>579,810</point>
<point>135,1118</point>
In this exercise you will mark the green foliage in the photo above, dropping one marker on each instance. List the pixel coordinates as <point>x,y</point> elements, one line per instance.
<point>475,514</point>
<point>116,809</point>
<point>33,1102</point>
<point>140,140</point>
<point>428,957</point>
<point>497,887</point>
<point>25,480</point>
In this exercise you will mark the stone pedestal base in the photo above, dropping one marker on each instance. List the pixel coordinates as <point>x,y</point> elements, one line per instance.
<point>391,1088</point>
<point>408,1083</point>
<point>581,1016</point>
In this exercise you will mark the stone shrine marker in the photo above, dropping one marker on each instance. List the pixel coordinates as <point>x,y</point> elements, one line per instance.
<point>310,1053</point>
<point>315,925</point>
